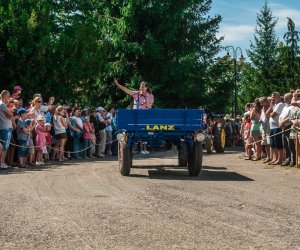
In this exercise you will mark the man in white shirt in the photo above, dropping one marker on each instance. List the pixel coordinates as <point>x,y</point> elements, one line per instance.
<point>275,131</point>
<point>101,140</point>
<point>109,130</point>
<point>285,124</point>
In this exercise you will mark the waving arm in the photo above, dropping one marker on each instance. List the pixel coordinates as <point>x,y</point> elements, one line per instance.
<point>124,89</point>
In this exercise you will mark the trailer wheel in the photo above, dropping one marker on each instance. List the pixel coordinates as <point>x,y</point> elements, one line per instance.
<point>195,159</point>
<point>209,144</point>
<point>182,155</point>
<point>219,140</point>
<point>125,158</point>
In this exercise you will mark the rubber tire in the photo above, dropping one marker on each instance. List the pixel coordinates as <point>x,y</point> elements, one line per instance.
<point>218,141</point>
<point>125,158</point>
<point>209,144</point>
<point>195,159</point>
<point>182,155</point>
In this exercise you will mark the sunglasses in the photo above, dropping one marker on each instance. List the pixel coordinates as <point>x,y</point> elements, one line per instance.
<point>39,101</point>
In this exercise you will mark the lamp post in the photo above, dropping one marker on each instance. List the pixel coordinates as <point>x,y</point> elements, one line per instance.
<point>298,70</point>
<point>235,52</point>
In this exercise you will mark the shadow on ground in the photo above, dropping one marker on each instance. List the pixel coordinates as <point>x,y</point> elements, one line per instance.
<point>171,172</point>
<point>205,175</point>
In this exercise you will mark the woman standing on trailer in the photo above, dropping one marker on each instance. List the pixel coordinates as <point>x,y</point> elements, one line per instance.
<point>142,99</point>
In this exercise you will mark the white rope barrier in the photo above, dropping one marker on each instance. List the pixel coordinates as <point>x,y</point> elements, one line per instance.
<point>56,149</point>
<point>269,136</point>
<point>294,128</point>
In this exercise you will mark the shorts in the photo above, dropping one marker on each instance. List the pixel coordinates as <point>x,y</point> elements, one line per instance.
<point>22,149</point>
<point>276,141</point>
<point>5,135</point>
<point>61,136</point>
<point>265,140</point>
<point>255,129</point>
<point>109,137</point>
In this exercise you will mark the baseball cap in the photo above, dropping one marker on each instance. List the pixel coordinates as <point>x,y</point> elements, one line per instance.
<point>22,111</point>
<point>17,88</point>
<point>28,122</point>
<point>100,109</point>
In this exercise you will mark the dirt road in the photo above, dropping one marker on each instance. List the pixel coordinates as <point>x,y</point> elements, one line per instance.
<point>233,204</point>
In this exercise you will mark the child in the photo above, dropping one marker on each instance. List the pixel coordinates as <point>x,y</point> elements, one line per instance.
<point>93,140</point>
<point>87,130</point>
<point>47,129</point>
<point>29,126</point>
<point>22,136</point>
<point>247,136</point>
<point>40,140</point>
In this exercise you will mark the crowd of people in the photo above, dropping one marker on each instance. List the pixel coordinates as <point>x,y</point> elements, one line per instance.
<point>269,129</point>
<point>42,132</point>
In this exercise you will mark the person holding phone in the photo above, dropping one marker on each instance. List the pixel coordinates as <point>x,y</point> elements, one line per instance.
<point>142,98</point>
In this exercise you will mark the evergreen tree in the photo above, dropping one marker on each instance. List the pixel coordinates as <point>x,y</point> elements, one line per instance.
<point>168,43</point>
<point>290,52</point>
<point>263,52</point>
<point>220,89</point>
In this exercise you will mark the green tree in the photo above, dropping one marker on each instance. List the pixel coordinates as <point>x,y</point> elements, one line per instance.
<point>50,47</point>
<point>289,53</point>
<point>248,90</point>
<point>263,54</point>
<point>219,96</point>
<point>168,43</point>
<point>74,49</point>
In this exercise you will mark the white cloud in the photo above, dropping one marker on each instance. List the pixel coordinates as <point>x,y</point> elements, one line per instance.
<point>233,33</point>
<point>283,13</point>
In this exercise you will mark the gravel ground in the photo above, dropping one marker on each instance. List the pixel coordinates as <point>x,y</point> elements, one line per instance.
<point>233,204</point>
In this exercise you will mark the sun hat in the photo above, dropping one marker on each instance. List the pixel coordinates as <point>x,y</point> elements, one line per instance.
<point>100,109</point>
<point>247,113</point>
<point>40,118</point>
<point>22,111</point>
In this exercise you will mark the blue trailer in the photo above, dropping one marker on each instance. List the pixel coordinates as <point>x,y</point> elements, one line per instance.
<point>180,127</point>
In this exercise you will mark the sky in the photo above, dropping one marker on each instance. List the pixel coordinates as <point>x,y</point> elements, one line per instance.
<point>239,19</point>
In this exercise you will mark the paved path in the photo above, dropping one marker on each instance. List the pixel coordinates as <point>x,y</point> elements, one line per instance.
<point>233,204</point>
